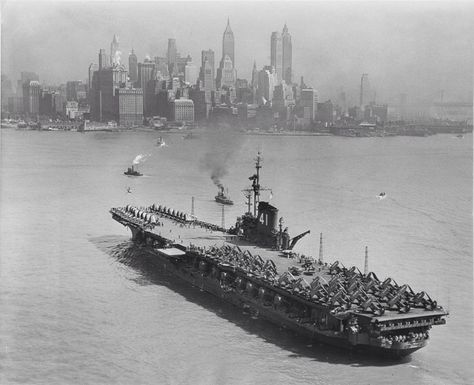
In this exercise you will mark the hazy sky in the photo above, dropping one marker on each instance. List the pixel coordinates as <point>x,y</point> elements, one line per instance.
<point>413,47</point>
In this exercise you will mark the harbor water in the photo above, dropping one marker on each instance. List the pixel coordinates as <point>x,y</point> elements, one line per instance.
<point>80,304</point>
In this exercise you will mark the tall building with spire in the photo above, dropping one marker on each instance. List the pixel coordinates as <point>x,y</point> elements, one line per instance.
<point>276,54</point>
<point>286,55</point>
<point>133,67</point>
<point>226,74</point>
<point>228,44</point>
<point>115,51</point>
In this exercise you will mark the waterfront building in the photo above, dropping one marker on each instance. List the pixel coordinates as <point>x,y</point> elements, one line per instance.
<point>325,112</point>
<point>164,99</point>
<point>133,68</point>
<point>130,107</point>
<point>283,101</point>
<point>47,106</point>
<point>15,105</point>
<point>308,105</point>
<point>182,110</point>
<point>376,113</point>
<point>266,84</point>
<point>31,97</point>
<point>115,51</point>
<point>70,109</point>
<point>59,102</point>
<point>208,56</point>
<point>287,58</point>
<point>276,55</point>
<point>342,102</point>
<point>146,72</point>
<point>92,68</point>
<point>106,82</point>
<point>75,90</point>
<point>7,92</point>
<point>202,103</point>
<point>247,112</point>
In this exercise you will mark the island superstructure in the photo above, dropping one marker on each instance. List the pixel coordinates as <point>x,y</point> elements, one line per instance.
<point>248,266</point>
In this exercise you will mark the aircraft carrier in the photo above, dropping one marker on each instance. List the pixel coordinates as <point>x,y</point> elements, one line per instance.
<point>252,265</point>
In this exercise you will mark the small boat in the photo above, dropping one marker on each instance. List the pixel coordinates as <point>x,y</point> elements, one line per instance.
<point>132,172</point>
<point>160,142</point>
<point>460,136</point>
<point>382,195</point>
<point>221,197</point>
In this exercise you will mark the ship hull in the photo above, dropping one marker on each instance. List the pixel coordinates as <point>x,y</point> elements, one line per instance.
<point>254,306</point>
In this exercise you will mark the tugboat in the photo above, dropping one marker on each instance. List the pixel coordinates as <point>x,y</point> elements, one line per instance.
<point>132,172</point>
<point>221,197</point>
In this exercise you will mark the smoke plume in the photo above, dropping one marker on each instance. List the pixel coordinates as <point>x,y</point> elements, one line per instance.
<point>222,144</point>
<point>140,158</point>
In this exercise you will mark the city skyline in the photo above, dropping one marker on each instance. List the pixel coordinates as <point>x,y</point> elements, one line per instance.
<point>428,53</point>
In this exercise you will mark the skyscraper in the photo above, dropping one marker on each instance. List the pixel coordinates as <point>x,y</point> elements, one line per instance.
<point>228,44</point>
<point>92,68</point>
<point>226,74</point>
<point>209,57</point>
<point>190,73</point>
<point>103,59</point>
<point>172,55</point>
<point>106,83</point>
<point>266,85</point>
<point>130,106</point>
<point>276,54</point>
<point>146,72</point>
<point>364,91</point>
<point>133,67</point>
<point>286,55</point>
<point>114,51</point>
<point>309,104</point>
<point>31,97</point>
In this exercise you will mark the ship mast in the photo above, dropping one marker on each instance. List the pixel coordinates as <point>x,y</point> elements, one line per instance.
<point>256,184</point>
<point>255,188</point>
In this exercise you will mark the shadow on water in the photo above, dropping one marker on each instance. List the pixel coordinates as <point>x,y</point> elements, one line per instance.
<point>137,258</point>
